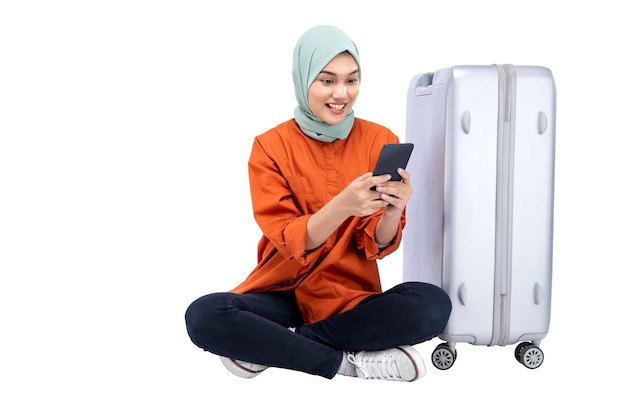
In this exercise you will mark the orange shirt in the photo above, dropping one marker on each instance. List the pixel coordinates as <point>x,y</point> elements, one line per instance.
<point>291,177</point>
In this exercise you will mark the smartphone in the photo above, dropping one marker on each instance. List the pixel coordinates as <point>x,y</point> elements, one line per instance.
<point>393,156</point>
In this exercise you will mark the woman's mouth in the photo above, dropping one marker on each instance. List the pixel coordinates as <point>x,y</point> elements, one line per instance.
<point>336,107</point>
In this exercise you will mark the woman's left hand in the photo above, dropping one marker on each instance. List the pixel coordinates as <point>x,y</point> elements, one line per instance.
<point>396,193</point>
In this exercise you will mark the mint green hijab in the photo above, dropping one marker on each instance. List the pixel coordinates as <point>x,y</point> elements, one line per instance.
<point>314,50</point>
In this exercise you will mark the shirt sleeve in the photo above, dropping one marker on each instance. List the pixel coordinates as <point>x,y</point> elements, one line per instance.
<point>275,211</point>
<point>365,238</point>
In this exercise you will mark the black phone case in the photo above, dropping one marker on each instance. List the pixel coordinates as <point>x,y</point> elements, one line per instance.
<point>393,156</point>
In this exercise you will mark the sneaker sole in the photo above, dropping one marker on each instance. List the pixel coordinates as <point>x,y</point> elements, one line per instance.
<point>418,362</point>
<point>241,371</point>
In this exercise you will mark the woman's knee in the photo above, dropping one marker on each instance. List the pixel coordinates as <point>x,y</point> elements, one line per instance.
<point>443,305</point>
<point>202,317</point>
<point>434,303</point>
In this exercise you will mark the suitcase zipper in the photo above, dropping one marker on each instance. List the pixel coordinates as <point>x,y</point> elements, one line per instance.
<point>507,82</point>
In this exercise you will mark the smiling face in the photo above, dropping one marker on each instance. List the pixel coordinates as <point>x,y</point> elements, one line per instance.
<point>334,91</point>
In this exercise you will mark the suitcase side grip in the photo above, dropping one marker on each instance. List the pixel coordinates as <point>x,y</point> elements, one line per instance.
<point>463,294</point>
<point>542,122</point>
<point>538,293</point>
<point>466,122</point>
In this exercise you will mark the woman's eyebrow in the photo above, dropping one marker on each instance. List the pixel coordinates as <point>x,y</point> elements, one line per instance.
<point>333,74</point>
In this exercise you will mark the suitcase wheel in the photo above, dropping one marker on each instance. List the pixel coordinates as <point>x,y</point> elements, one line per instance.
<point>443,356</point>
<point>529,355</point>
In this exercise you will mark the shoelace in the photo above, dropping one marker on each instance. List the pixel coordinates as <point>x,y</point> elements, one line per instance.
<point>379,366</point>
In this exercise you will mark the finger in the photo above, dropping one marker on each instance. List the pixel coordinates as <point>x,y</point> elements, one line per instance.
<point>395,188</point>
<point>363,177</point>
<point>404,174</point>
<point>394,201</point>
<point>379,179</point>
<point>390,200</point>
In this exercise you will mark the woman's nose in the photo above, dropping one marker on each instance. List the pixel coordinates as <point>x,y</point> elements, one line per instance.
<point>340,91</point>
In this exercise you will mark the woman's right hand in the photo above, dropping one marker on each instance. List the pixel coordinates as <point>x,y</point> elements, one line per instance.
<point>359,198</point>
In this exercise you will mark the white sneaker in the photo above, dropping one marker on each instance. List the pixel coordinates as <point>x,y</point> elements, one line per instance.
<point>403,363</point>
<point>242,369</point>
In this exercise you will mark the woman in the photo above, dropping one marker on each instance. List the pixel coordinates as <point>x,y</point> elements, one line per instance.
<point>314,303</point>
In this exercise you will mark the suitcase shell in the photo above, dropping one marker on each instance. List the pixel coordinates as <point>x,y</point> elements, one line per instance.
<point>480,221</point>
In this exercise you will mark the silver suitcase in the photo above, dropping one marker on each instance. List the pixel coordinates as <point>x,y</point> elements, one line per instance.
<point>480,221</point>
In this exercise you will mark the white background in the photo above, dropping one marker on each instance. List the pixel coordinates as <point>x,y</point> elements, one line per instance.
<point>125,129</point>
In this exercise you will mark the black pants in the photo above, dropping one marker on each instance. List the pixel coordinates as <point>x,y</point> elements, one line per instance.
<point>254,327</point>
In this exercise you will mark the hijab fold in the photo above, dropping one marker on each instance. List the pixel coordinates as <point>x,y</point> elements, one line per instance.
<point>313,51</point>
